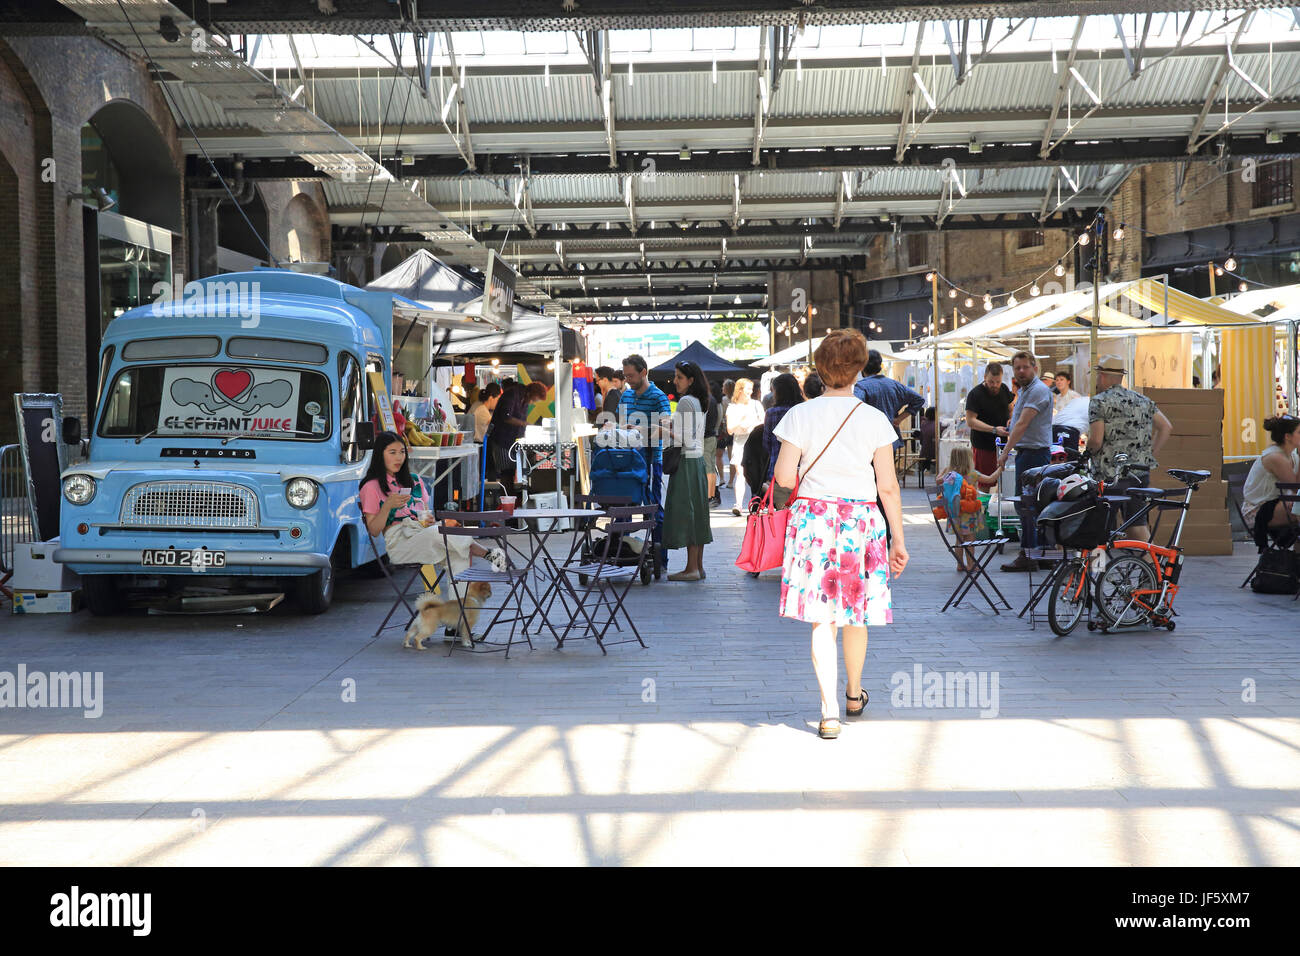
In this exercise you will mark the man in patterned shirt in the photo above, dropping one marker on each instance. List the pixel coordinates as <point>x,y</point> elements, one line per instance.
<point>1124,421</point>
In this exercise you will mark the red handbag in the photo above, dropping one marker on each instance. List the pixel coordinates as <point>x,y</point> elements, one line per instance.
<point>763,547</point>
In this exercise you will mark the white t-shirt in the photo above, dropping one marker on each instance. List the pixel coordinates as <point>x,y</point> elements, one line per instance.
<point>482,418</point>
<point>846,469</point>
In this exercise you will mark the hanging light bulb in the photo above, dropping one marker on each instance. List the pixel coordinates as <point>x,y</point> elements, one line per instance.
<point>952,293</point>
<point>626,303</point>
<point>737,300</point>
<point>1012,300</point>
<point>929,277</point>
<point>969,302</point>
<point>1084,239</point>
<point>1218,270</point>
<point>1034,290</point>
<point>1241,287</point>
<point>1119,233</point>
<point>988,304</point>
<point>963,320</point>
<point>1060,269</point>
<point>1230,264</point>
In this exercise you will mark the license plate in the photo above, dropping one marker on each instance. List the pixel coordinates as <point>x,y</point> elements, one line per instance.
<point>172,558</point>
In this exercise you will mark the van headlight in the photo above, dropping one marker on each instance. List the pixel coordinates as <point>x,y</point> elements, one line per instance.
<point>79,489</point>
<point>301,492</point>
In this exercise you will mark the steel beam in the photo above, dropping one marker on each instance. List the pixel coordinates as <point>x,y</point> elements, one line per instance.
<point>381,16</point>
<point>1136,151</point>
<point>909,96</point>
<point>1061,89</point>
<point>1225,65</point>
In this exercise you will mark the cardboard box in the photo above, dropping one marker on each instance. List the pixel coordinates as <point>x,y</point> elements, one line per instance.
<point>1207,445</point>
<point>36,570</point>
<point>46,602</point>
<point>1204,397</point>
<point>1207,543</point>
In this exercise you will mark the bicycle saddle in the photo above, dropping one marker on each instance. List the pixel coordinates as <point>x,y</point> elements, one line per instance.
<point>1144,492</point>
<point>1189,477</point>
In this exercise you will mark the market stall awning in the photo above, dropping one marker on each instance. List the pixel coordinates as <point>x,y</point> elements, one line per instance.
<point>709,361</point>
<point>1183,308</point>
<point>1262,303</point>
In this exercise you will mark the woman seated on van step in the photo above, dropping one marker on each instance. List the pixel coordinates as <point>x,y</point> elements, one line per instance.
<point>393,501</point>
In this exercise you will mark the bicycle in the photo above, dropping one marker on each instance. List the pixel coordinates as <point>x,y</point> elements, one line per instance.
<point>1137,586</point>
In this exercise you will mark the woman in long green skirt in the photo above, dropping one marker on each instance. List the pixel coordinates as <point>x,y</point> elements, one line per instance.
<point>686,506</point>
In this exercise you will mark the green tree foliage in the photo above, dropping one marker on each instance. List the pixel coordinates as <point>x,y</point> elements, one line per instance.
<point>730,339</point>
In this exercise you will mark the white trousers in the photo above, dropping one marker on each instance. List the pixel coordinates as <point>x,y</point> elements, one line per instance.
<point>409,543</point>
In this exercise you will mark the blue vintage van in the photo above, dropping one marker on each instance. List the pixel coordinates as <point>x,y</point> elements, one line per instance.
<point>230,433</point>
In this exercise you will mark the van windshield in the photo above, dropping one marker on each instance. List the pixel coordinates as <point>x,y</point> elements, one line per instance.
<point>245,401</point>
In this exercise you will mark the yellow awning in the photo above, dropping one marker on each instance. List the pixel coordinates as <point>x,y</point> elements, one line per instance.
<point>1150,293</point>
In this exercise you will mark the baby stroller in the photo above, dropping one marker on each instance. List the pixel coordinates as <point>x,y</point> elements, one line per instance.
<point>621,476</point>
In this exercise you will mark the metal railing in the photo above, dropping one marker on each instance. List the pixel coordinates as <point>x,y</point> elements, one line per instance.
<point>15,512</point>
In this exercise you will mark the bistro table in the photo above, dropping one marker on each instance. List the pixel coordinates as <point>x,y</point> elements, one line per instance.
<point>541,524</point>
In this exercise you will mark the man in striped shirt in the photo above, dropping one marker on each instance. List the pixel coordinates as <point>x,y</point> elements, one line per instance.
<point>643,406</point>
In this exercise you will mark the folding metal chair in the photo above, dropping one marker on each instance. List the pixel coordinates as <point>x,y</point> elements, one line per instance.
<point>400,577</point>
<point>490,532</point>
<point>1290,493</point>
<point>603,585</point>
<point>981,551</point>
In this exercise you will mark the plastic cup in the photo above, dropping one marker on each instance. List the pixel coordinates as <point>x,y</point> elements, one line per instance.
<point>508,504</point>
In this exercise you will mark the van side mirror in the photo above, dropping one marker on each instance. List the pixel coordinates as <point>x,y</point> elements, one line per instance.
<point>71,431</point>
<point>363,433</point>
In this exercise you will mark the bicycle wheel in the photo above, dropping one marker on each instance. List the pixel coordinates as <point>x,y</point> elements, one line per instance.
<point>1069,597</point>
<point>1124,577</point>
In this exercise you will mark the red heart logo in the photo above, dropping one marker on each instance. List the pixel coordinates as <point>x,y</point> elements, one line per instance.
<point>232,383</point>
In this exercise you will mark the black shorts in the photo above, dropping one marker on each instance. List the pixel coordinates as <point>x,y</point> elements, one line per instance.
<point>1137,478</point>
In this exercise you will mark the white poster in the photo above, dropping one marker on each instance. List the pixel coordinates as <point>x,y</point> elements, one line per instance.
<point>227,400</point>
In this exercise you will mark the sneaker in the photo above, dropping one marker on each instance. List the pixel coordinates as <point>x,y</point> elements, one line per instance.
<point>497,558</point>
<point>1022,563</point>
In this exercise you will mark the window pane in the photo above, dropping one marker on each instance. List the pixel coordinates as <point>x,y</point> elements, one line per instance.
<point>280,350</point>
<point>200,346</point>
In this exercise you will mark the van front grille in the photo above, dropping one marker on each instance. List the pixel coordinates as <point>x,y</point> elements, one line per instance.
<point>189,504</point>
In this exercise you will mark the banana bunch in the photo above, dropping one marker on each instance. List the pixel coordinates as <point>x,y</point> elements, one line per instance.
<point>416,437</point>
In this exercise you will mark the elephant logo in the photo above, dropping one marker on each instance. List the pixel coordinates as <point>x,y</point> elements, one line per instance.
<point>232,388</point>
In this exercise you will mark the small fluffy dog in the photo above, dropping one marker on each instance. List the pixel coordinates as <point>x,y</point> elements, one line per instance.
<point>434,609</point>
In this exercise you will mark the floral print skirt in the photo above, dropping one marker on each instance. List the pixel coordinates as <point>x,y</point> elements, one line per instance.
<point>836,564</point>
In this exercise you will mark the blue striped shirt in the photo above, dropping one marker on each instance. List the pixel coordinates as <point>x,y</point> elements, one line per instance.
<point>644,411</point>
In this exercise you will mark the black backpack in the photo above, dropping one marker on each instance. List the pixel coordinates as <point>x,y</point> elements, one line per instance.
<point>1276,573</point>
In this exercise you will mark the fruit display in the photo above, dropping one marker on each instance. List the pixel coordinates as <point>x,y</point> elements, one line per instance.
<point>417,438</point>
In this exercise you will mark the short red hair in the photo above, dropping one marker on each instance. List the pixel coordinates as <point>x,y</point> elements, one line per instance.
<point>840,357</point>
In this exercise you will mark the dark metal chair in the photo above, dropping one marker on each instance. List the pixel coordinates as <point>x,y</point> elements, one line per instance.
<point>490,532</point>
<point>981,552</point>
<point>603,583</point>
<point>400,578</point>
<point>1290,493</point>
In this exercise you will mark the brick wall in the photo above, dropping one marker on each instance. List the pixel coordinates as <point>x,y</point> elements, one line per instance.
<point>298,208</point>
<point>991,261</point>
<point>49,88</point>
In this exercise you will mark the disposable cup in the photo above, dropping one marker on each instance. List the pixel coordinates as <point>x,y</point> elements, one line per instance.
<point>508,504</point>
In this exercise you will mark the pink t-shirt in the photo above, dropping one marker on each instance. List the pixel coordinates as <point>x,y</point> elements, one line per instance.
<point>372,499</point>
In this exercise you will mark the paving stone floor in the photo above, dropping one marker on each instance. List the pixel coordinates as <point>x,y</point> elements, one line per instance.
<point>227,740</point>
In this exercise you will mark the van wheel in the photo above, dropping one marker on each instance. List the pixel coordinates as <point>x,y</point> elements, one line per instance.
<point>314,592</point>
<point>102,594</point>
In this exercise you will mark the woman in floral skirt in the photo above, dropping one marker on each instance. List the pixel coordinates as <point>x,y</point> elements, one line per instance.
<point>837,563</point>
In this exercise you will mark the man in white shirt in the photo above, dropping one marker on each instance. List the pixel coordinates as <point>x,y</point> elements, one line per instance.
<point>482,410</point>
